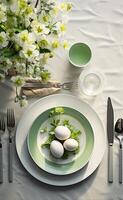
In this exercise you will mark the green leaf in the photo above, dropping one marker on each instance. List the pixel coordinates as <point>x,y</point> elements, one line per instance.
<point>44,50</point>
<point>45,75</point>
<point>46,145</point>
<point>77,150</point>
<point>18,30</point>
<point>44,130</point>
<point>59,110</point>
<point>75,134</point>
<point>69,153</point>
<point>65,155</point>
<point>66,122</point>
<point>8,53</point>
<point>2,28</point>
<point>48,142</point>
<point>56,111</point>
<point>55,122</point>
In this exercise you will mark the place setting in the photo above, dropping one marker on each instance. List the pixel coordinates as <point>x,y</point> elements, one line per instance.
<point>58,137</point>
<point>61,139</point>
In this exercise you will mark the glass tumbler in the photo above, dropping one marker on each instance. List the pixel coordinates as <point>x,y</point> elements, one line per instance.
<point>91,83</point>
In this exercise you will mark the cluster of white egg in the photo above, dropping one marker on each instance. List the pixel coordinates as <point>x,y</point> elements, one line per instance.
<point>62,133</point>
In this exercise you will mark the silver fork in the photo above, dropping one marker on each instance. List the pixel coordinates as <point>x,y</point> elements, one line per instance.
<point>10,127</point>
<point>2,130</point>
<point>66,86</point>
<point>38,85</point>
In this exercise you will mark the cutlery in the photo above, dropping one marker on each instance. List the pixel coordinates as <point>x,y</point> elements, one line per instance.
<point>39,85</point>
<point>119,136</point>
<point>110,133</point>
<point>10,127</point>
<point>2,130</point>
<point>37,88</point>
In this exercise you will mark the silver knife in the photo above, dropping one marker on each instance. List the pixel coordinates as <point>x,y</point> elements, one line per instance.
<point>110,133</point>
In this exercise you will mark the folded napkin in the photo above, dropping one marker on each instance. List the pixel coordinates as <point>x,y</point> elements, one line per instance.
<point>35,87</point>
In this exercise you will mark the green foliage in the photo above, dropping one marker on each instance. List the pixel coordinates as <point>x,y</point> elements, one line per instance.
<point>67,154</point>
<point>2,27</point>
<point>46,7</point>
<point>66,122</point>
<point>75,134</point>
<point>44,50</point>
<point>21,26</point>
<point>56,121</point>
<point>45,75</point>
<point>56,111</point>
<point>8,53</point>
<point>48,141</point>
<point>44,130</point>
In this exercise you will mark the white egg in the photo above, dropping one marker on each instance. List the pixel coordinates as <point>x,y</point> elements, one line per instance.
<point>56,149</point>
<point>62,132</point>
<point>70,144</point>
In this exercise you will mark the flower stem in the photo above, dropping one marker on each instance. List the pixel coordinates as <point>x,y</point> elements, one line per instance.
<point>26,67</point>
<point>37,1</point>
<point>17,92</point>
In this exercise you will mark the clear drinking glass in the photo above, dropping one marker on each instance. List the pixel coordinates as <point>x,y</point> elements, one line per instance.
<point>91,83</point>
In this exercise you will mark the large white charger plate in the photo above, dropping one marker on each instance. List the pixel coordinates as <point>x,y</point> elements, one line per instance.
<point>33,112</point>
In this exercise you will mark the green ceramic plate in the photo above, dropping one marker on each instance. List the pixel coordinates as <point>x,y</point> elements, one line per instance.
<point>79,54</point>
<point>45,160</point>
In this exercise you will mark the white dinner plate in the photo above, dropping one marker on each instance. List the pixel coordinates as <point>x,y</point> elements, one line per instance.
<point>42,156</point>
<point>33,112</point>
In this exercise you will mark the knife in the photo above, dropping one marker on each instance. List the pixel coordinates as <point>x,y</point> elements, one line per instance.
<point>110,134</point>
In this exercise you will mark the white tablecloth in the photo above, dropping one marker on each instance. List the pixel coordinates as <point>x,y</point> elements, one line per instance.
<point>99,23</point>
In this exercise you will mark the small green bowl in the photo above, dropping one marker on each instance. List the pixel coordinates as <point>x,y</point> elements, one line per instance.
<point>79,54</point>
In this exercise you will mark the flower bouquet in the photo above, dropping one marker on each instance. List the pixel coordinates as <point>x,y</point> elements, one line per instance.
<point>29,36</point>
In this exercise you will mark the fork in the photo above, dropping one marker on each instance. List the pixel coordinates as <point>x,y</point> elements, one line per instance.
<point>38,85</point>
<point>2,130</point>
<point>10,127</point>
<point>66,85</point>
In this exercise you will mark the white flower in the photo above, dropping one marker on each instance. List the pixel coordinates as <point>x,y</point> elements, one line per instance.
<point>18,81</point>
<point>22,4</point>
<point>55,44</point>
<point>29,11</point>
<point>65,7</point>
<point>60,28</point>
<point>3,17</point>
<point>45,58</point>
<point>2,7</point>
<point>3,40</point>
<point>27,22</point>
<point>25,38</point>
<point>65,44</point>
<point>29,52</point>
<point>55,10</point>
<point>39,28</point>
<point>14,6</point>
<point>9,62</point>
<point>45,18</point>
<point>20,67</point>
<point>43,42</point>
<point>23,102</point>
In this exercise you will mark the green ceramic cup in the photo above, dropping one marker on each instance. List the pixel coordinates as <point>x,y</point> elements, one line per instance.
<point>79,54</point>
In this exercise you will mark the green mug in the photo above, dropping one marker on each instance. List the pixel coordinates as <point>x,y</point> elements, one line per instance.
<point>79,54</point>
